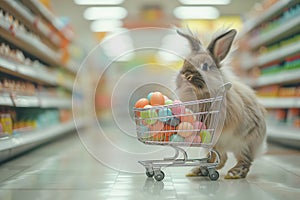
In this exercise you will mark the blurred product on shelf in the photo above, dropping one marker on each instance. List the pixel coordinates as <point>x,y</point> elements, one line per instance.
<point>284,117</point>
<point>21,120</point>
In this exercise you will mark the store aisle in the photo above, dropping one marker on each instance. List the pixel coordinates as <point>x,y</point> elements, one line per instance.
<point>64,170</point>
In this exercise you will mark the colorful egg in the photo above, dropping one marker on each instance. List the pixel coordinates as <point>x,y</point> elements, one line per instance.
<point>158,136</point>
<point>166,98</point>
<point>157,126</point>
<point>178,109</point>
<point>157,99</point>
<point>195,139</point>
<point>188,116</point>
<point>164,114</point>
<point>168,102</point>
<point>149,115</point>
<point>141,103</point>
<point>185,129</point>
<point>174,121</point>
<point>168,131</point>
<point>176,138</point>
<point>205,136</point>
<point>149,96</point>
<point>199,125</point>
<point>143,131</point>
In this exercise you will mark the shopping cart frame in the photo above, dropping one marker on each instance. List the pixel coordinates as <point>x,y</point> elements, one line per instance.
<point>207,164</point>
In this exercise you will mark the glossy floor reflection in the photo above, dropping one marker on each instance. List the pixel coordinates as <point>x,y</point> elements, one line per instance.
<point>65,170</point>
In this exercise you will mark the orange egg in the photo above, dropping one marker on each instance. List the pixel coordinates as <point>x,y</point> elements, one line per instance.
<point>188,116</point>
<point>157,99</point>
<point>141,103</point>
<point>168,131</point>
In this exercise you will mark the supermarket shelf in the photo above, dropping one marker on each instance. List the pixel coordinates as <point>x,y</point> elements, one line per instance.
<point>35,74</point>
<point>273,10</point>
<point>44,12</point>
<point>9,99</point>
<point>29,44</point>
<point>12,146</point>
<point>292,102</point>
<point>52,102</point>
<point>278,54</point>
<point>33,22</point>
<point>284,135</point>
<point>279,78</point>
<point>5,99</point>
<point>284,30</point>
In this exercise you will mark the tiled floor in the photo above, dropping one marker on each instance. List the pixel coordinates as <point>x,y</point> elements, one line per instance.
<point>65,170</point>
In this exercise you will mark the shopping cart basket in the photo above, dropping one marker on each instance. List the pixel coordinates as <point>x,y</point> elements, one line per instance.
<point>186,124</point>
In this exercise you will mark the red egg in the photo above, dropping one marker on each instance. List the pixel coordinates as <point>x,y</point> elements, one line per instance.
<point>141,103</point>
<point>157,99</point>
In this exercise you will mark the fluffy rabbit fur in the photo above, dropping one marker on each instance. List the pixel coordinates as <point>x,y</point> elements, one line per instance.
<point>244,129</point>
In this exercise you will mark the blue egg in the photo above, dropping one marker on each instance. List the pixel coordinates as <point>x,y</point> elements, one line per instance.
<point>149,96</point>
<point>164,114</point>
<point>176,138</point>
<point>143,131</point>
<point>174,121</point>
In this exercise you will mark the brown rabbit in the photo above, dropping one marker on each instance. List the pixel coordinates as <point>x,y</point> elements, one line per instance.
<point>244,129</point>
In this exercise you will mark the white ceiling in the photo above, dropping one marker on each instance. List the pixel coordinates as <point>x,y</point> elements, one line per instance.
<point>86,39</point>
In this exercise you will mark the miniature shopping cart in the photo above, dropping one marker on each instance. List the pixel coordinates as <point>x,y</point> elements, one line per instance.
<point>183,124</point>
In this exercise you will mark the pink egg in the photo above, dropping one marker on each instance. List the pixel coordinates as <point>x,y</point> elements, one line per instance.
<point>195,139</point>
<point>199,125</point>
<point>157,126</point>
<point>185,129</point>
<point>177,109</point>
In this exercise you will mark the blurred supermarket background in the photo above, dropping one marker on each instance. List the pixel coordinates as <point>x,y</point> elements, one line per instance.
<point>78,60</point>
<point>43,44</point>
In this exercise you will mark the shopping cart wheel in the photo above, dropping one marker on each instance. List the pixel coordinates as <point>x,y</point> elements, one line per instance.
<point>159,175</point>
<point>213,175</point>
<point>204,171</point>
<point>150,173</point>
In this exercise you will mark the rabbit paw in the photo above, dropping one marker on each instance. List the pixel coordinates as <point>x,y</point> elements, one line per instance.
<point>237,172</point>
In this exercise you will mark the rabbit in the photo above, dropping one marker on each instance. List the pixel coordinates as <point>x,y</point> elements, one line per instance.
<point>244,130</point>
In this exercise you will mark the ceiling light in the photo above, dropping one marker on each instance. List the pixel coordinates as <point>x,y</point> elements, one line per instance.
<point>205,2</point>
<point>98,2</point>
<point>199,12</point>
<point>94,13</point>
<point>106,25</point>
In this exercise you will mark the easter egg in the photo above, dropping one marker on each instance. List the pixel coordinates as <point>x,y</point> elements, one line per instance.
<point>168,102</point>
<point>177,108</point>
<point>205,136</point>
<point>157,99</point>
<point>168,131</point>
<point>164,114</point>
<point>149,96</point>
<point>166,98</point>
<point>143,131</point>
<point>199,125</point>
<point>188,116</point>
<point>149,115</point>
<point>185,129</point>
<point>157,126</point>
<point>141,103</point>
<point>158,137</point>
<point>195,139</point>
<point>174,121</point>
<point>176,138</point>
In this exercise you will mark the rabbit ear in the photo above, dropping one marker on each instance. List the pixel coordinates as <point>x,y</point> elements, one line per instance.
<point>220,46</point>
<point>194,42</point>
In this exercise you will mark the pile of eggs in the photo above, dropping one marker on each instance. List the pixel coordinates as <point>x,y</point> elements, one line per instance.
<point>162,119</point>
